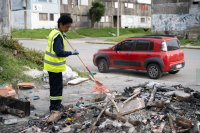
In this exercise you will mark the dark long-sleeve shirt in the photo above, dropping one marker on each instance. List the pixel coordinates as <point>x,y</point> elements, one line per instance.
<point>58,47</point>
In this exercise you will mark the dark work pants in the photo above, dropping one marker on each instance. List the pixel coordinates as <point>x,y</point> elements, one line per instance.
<point>56,88</point>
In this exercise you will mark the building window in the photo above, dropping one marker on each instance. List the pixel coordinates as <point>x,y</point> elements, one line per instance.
<point>126,5</point>
<point>106,4</point>
<point>142,7</point>
<point>130,5</point>
<point>142,20</point>
<point>116,4</point>
<point>84,2</point>
<point>78,18</point>
<point>146,7</point>
<point>107,20</point>
<point>78,2</point>
<point>64,1</point>
<point>102,19</point>
<point>84,19</point>
<point>42,0</point>
<point>43,16</point>
<point>51,16</point>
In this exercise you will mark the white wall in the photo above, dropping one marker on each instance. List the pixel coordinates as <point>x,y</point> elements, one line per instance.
<point>45,7</point>
<point>132,21</point>
<point>36,23</point>
<point>17,19</point>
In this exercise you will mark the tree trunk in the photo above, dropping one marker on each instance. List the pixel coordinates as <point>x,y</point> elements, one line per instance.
<point>92,24</point>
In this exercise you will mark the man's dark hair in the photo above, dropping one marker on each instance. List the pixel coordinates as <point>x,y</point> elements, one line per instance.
<point>64,19</point>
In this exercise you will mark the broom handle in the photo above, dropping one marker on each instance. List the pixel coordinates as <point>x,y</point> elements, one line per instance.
<point>80,59</point>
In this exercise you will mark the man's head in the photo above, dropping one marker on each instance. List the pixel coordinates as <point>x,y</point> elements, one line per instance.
<point>64,23</point>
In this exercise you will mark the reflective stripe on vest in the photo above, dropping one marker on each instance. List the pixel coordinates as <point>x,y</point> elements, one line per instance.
<point>55,64</point>
<point>55,97</point>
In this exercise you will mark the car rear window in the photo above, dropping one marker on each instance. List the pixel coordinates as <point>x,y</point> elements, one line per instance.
<point>144,45</point>
<point>173,45</point>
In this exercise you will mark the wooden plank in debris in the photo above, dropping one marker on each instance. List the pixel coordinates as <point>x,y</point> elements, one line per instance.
<point>130,107</point>
<point>77,81</point>
<point>160,130</point>
<point>151,99</point>
<point>56,116</point>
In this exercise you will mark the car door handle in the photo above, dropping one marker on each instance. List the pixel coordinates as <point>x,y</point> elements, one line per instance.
<point>127,53</point>
<point>148,54</point>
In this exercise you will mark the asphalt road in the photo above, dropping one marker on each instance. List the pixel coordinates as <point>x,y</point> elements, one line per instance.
<point>186,75</point>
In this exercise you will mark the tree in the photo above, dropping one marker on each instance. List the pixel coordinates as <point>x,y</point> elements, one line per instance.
<point>96,12</point>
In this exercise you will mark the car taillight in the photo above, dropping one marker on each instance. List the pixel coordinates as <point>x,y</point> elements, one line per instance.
<point>164,46</point>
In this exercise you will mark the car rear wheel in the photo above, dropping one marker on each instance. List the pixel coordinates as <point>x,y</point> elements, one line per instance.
<point>153,71</point>
<point>174,72</point>
<point>103,66</point>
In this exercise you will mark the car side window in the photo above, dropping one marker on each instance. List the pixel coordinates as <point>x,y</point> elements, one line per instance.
<point>124,46</point>
<point>144,45</point>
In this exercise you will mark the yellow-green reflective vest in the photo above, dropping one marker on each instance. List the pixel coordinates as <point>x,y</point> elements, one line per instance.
<point>52,62</point>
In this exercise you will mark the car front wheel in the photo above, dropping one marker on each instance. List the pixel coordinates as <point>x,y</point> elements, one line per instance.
<point>153,71</point>
<point>103,66</point>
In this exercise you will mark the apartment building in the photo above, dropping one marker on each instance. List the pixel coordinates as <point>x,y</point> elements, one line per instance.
<point>33,14</point>
<point>176,16</point>
<point>132,13</point>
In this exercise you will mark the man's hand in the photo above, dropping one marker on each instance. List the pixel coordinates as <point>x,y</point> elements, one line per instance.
<point>64,34</point>
<point>75,52</point>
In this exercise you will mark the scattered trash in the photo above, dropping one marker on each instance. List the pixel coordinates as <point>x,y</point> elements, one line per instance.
<point>148,107</point>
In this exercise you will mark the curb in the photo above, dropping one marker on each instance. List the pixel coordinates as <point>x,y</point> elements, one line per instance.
<point>28,39</point>
<point>99,42</point>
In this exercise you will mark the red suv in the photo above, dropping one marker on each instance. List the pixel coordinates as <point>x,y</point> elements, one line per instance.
<point>153,53</point>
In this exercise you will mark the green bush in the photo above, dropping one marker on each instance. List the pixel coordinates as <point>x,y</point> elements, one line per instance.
<point>35,56</point>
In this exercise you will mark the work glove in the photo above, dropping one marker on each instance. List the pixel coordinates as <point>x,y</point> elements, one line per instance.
<point>64,34</point>
<point>75,52</point>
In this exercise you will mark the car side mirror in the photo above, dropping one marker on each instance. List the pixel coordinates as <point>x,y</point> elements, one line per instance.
<point>116,47</point>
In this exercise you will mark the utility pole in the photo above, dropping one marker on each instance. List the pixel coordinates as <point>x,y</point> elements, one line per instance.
<point>118,19</point>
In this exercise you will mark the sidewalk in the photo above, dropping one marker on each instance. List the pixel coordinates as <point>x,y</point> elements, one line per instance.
<point>188,46</point>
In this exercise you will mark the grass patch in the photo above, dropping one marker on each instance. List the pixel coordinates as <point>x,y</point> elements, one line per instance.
<point>12,65</point>
<point>120,38</point>
<point>101,32</point>
<point>198,42</point>
<point>184,41</point>
<point>39,34</point>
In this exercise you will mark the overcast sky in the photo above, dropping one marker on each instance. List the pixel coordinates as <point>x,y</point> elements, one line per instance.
<point>144,1</point>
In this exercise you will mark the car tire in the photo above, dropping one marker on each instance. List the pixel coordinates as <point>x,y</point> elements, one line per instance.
<point>153,71</point>
<point>174,72</point>
<point>103,66</point>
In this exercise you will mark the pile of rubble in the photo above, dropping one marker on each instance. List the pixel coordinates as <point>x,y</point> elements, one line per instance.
<point>146,108</point>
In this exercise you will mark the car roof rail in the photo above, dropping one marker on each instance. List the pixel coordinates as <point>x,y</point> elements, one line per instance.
<point>155,37</point>
<point>162,35</point>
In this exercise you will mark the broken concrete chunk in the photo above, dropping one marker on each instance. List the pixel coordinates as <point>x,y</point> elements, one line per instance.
<point>169,93</point>
<point>46,86</point>
<point>181,95</point>
<point>10,121</point>
<point>132,130</point>
<point>143,84</point>
<point>25,68</point>
<point>197,112</point>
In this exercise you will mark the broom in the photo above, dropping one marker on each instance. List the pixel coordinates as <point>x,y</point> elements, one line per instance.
<point>100,85</point>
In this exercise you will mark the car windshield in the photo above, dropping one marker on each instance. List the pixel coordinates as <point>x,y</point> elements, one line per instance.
<point>173,45</point>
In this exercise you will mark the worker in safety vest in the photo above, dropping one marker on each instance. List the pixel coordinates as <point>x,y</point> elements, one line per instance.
<point>55,60</point>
